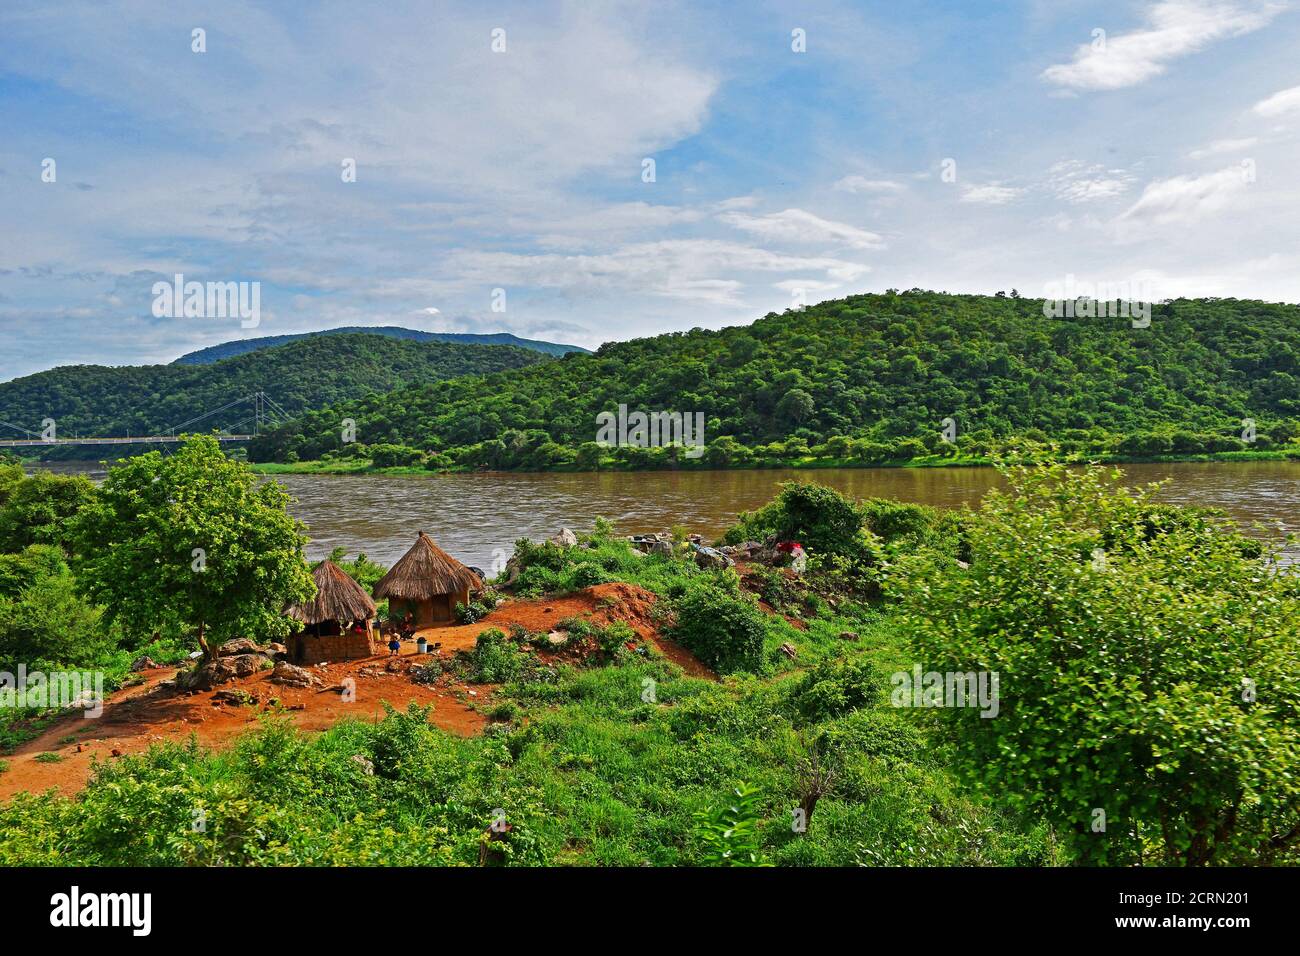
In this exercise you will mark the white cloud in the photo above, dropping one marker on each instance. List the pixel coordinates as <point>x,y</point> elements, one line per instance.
<point>1078,182</point>
<point>797,225</point>
<point>860,184</point>
<point>1221,146</point>
<point>990,195</point>
<point>707,270</point>
<point>1185,199</point>
<point>1284,101</point>
<point>1175,28</point>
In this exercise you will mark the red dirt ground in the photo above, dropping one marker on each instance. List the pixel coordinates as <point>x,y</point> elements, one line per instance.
<point>147,713</point>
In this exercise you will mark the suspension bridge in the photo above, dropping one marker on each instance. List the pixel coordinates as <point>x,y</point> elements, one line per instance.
<point>259,412</point>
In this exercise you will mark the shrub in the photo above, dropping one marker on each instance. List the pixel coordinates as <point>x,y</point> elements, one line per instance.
<point>722,629</point>
<point>588,574</point>
<point>395,456</point>
<point>1127,663</point>
<point>494,659</point>
<point>835,687</point>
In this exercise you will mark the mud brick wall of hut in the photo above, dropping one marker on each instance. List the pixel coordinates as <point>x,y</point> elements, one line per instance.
<point>334,647</point>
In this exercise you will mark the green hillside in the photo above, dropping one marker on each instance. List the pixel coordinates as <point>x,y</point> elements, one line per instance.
<point>868,378</point>
<point>309,373</point>
<point>215,353</point>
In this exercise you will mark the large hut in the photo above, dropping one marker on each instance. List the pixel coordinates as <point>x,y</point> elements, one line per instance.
<point>337,619</point>
<point>427,583</point>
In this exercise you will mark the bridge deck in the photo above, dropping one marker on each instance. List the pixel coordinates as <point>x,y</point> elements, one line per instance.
<point>143,440</point>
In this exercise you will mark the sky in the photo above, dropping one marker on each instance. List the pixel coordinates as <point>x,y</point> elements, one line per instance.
<point>581,172</point>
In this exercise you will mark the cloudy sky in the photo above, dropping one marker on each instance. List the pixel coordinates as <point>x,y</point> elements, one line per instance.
<point>799,150</point>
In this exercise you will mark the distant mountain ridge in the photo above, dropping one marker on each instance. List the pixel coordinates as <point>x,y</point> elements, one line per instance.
<point>312,372</point>
<point>215,353</point>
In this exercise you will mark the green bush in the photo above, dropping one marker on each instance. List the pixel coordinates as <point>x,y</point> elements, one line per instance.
<point>722,629</point>
<point>834,687</point>
<point>1148,704</point>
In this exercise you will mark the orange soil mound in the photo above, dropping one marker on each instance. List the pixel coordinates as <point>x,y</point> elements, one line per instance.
<point>147,713</point>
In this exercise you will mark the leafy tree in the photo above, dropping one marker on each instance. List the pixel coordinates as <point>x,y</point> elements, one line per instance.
<point>38,508</point>
<point>193,540</point>
<point>1146,660</point>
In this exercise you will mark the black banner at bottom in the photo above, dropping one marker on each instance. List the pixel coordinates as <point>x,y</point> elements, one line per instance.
<point>336,906</point>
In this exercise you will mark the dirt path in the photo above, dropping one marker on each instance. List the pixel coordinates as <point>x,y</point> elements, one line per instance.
<point>148,713</point>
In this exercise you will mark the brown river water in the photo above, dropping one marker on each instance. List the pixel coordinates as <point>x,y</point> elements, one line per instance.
<point>474,515</point>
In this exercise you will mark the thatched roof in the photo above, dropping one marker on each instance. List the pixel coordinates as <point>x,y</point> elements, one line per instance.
<point>338,598</point>
<point>424,571</point>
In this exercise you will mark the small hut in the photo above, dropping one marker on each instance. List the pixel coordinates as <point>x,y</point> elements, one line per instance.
<point>427,583</point>
<point>337,619</point>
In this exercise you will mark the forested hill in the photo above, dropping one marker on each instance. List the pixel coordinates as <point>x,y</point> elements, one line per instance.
<point>225,350</point>
<point>881,369</point>
<point>309,373</point>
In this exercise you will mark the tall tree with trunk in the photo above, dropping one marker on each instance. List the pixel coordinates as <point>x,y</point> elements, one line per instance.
<point>192,541</point>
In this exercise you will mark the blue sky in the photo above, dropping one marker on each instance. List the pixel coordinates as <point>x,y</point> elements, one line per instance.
<point>1149,143</point>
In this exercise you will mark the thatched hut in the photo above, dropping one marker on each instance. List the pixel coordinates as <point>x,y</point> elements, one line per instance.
<point>427,583</point>
<point>337,619</point>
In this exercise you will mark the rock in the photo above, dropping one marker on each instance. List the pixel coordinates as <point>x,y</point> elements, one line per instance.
<point>143,663</point>
<point>245,665</point>
<point>286,673</point>
<point>664,548</point>
<point>712,559</point>
<point>273,649</point>
<point>207,675</point>
<point>240,645</point>
<point>565,538</point>
<point>789,651</point>
<point>848,635</point>
<point>364,762</point>
<point>965,566</point>
<point>557,638</point>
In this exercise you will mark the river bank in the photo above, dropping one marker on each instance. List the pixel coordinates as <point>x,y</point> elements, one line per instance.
<point>361,466</point>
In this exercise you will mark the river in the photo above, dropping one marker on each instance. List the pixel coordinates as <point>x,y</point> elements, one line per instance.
<point>474,515</point>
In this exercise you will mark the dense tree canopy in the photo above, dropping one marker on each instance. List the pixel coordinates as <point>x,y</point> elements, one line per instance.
<point>883,370</point>
<point>304,374</point>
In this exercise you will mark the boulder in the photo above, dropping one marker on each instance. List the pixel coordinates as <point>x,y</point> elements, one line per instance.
<point>789,650</point>
<point>207,675</point>
<point>664,548</point>
<point>565,538</point>
<point>143,663</point>
<point>711,559</point>
<point>240,645</point>
<point>245,665</point>
<point>288,674</point>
